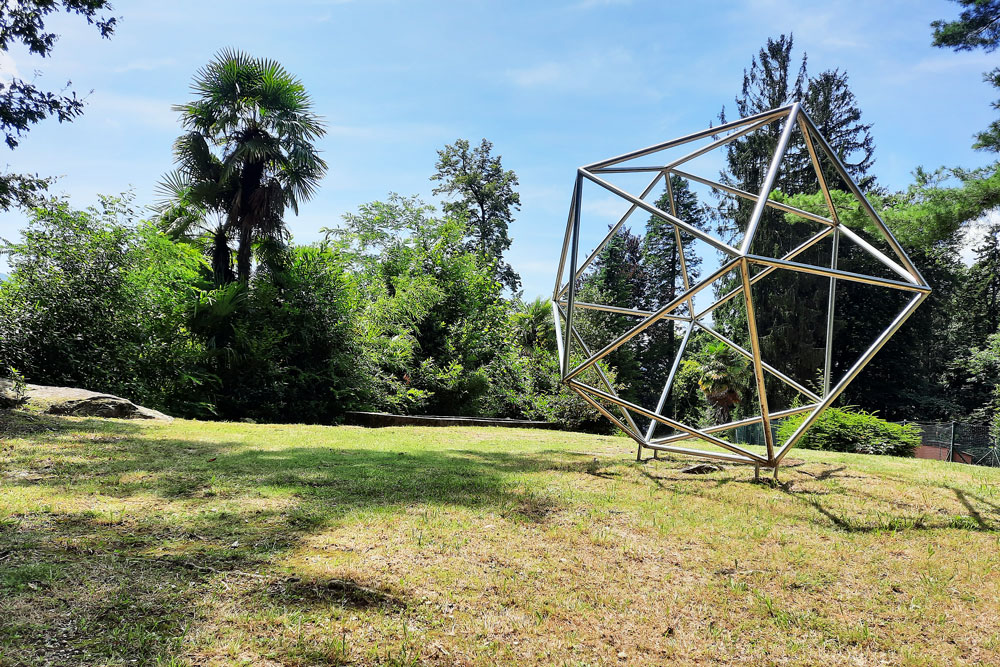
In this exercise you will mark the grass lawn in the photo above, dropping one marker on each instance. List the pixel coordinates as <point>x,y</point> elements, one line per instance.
<point>198,543</point>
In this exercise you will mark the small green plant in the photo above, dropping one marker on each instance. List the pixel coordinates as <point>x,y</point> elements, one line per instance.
<point>857,431</point>
<point>13,391</point>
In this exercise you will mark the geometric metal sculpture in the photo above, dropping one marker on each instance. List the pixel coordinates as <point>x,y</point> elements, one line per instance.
<point>738,262</point>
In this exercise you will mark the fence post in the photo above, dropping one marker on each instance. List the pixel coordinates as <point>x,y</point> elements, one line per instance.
<point>951,447</point>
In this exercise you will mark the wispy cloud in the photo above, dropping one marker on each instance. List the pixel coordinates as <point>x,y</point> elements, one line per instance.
<point>118,110</point>
<point>146,65</point>
<point>603,73</point>
<point>813,27</point>
<point>8,68</point>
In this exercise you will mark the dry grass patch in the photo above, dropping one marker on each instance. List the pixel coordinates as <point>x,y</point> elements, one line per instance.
<point>214,544</point>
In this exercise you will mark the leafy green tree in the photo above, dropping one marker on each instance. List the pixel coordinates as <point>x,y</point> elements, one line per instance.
<point>249,154</point>
<point>22,103</point>
<point>438,332</point>
<point>977,27</point>
<point>97,301</point>
<point>485,196</point>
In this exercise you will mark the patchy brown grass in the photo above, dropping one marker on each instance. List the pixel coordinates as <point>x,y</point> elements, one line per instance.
<point>214,544</point>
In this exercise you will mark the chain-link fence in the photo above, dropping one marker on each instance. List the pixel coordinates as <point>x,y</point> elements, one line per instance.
<point>946,441</point>
<point>958,442</point>
<point>751,434</point>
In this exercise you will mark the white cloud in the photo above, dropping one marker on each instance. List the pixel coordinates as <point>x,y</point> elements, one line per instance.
<point>8,68</point>
<point>608,72</point>
<point>120,110</point>
<point>832,30</point>
<point>146,64</point>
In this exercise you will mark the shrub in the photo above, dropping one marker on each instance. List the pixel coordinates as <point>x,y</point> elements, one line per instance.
<point>857,431</point>
<point>551,400</point>
<point>284,348</point>
<point>13,391</point>
<point>96,301</point>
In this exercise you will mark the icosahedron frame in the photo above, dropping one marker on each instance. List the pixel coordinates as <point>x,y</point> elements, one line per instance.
<point>736,259</point>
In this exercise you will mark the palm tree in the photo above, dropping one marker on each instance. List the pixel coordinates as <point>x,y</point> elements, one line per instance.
<point>248,154</point>
<point>193,210</point>
<point>725,378</point>
<point>534,325</point>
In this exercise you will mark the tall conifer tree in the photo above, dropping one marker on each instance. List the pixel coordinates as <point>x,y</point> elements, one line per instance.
<point>661,259</point>
<point>790,307</point>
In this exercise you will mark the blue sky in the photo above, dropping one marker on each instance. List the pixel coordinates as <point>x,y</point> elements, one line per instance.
<point>552,84</point>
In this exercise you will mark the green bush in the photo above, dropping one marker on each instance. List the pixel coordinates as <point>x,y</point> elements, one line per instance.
<point>857,431</point>
<point>284,348</point>
<point>97,301</point>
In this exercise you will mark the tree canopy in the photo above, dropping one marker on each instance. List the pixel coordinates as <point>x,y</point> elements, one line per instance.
<point>485,195</point>
<point>249,154</point>
<point>22,103</point>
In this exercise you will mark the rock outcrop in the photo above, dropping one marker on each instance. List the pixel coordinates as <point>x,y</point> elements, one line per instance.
<point>83,403</point>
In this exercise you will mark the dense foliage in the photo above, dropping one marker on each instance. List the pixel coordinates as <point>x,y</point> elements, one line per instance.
<point>96,301</point>
<point>393,312</point>
<point>206,307</point>
<point>857,431</point>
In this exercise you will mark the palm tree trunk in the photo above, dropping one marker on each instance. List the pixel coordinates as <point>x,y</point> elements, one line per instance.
<point>221,257</point>
<point>244,253</point>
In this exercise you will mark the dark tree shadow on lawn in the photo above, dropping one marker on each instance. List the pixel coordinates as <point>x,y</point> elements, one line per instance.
<point>126,586</point>
<point>882,514</point>
<point>86,585</point>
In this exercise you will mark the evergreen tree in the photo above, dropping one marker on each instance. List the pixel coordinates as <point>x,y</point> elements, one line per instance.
<point>918,374</point>
<point>766,85</point>
<point>790,307</point>
<point>978,299</point>
<point>978,27</point>
<point>617,277</point>
<point>827,99</point>
<point>665,281</point>
<point>833,108</point>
